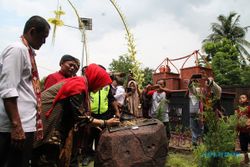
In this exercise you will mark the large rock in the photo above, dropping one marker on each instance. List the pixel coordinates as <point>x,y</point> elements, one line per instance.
<point>143,147</point>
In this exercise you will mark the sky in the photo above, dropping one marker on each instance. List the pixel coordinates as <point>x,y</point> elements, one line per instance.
<point>161,28</point>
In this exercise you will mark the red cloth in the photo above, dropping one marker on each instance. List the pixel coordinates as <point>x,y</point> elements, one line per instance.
<point>53,79</point>
<point>151,92</point>
<point>96,78</point>
<point>242,113</point>
<point>37,90</point>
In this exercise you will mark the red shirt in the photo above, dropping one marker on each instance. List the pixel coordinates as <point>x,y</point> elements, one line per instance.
<point>53,79</point>
<point>242,113</point>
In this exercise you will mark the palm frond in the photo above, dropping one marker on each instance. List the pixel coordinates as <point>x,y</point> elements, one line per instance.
<point>217,28</point>
<point>243,50</point>
<point>231,15</point>
<point>244,42</point>
<point>246,28</point>
<point>236,21</point>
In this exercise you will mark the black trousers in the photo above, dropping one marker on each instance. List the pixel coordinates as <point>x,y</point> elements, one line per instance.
<point>244,140</point>
<point>11,156</point>
<point>94,134</point>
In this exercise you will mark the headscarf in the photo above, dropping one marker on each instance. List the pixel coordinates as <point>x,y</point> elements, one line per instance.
<point>134,100</point>
<point>95,78</point>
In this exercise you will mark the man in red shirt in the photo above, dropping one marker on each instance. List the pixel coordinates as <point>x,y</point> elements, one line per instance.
<point>69,67</point>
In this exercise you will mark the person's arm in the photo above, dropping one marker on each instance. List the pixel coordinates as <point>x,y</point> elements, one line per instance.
<point>86,119</point>
<point>104,123</point>
<point>12,62</point>
<point>81,116</point>
<point>115,105</point>
<point>216,89</point>
<point>166,90</point>
<point>11,109</point>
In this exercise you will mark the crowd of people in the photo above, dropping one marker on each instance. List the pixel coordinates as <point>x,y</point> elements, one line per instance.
<point>40,127</point>
<point>53,126</point>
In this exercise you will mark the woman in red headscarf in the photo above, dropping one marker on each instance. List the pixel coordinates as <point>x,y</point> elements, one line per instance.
<point>64,108</point>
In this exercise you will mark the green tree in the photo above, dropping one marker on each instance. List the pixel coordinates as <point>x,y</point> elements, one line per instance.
<point>123,64</point>
<point>245,76</point>
<point>228,27</point>
<point>148,72</point>
<point>225,63</point>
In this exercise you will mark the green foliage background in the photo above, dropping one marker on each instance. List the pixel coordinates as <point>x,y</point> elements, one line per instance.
<point>226,51</point>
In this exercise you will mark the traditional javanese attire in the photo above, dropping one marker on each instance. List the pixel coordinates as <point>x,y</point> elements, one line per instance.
<point>64,107</point>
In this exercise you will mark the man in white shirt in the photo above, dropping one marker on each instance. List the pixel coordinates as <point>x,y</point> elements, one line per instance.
<point>160,107</point>
<point>195,91</point>
<point>18,101</point>
<point>120,93</point>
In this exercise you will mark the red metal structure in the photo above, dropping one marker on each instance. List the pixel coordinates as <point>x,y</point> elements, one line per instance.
<point>179,80</point>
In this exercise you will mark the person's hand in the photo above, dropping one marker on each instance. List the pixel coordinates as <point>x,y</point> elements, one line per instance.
<point>209,81</point>
<point>39,135</point>
<point>17,136</point>
<point>210,78</point>
<point>113,121</point>
<point>117,115</point>
<point>161,87</point>
<point>148,87</point>
<point>119,105</point>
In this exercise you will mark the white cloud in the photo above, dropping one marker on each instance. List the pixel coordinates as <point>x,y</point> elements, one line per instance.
<point>161,28</point>
<point>162,38</point>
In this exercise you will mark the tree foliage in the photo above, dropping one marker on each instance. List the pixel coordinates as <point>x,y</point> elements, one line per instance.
<point>123,64</point>
<point>228,27</point>
<point>148,72</point>
<point>227,67</point>
<point>126,64</point>
<point>225,48</point>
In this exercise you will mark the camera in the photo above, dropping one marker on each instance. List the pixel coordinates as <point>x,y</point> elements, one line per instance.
<point>128,90</point>
<point>154,87</point>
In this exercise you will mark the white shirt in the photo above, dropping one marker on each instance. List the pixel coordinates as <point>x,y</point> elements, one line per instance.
<point>193,103</point>
<point>156,100</point>
<point>16,81</point>
<point>120,94</point>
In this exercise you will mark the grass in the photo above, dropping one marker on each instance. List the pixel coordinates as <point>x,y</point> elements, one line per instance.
<point>174,160</point>
<point>186,159</point>
<point>180,160</point>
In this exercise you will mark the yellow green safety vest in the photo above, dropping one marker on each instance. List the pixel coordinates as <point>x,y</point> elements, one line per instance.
<point>99,101</point>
